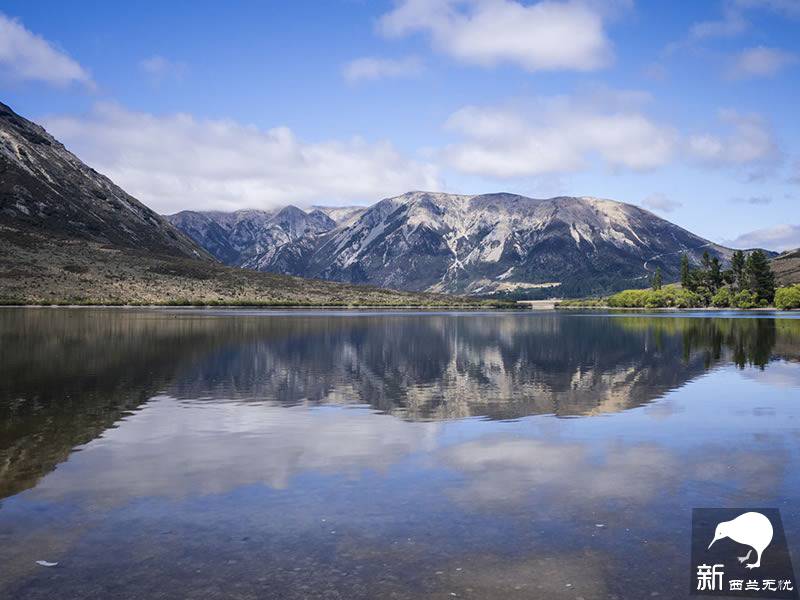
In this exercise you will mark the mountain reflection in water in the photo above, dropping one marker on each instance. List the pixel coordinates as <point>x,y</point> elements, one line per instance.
<point>395,448</point>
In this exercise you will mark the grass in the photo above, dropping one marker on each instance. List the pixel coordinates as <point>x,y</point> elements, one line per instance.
<point>40,270</point>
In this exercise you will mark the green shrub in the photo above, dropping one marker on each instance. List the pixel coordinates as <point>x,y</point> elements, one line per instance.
<point>745,299</point>
<point>669,297</point>
<point>583,303</point>
<point>686,299</point>
<point>788,297</point>
<point>629,299</point>
<point>723,298</point>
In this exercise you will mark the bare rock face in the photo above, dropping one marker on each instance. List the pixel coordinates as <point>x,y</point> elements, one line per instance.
<point>46,188</point>
<point>279,241</point>
<point>484,245</point>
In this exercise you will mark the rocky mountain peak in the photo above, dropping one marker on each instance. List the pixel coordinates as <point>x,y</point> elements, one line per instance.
<point>499,243</point>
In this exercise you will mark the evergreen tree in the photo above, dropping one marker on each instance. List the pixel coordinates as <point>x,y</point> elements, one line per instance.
<point>706,261</point>
<point>737,268</point>
<point>657,279</point>
<point>685,272</point>
<point>759,275</point>
<point>715,276</point>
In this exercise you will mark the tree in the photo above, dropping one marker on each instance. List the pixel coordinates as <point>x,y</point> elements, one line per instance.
<point>759,275</point>
<point>685,272</point>
<point>716,278</point>
<point>723,298</point>
<point>658,280</point>
<point>737,268</point>
<point>788,297</point>
<point>706,260</point>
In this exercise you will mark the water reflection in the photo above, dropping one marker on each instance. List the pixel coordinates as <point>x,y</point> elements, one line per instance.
<point>66,376</point>
<point>180,454</point>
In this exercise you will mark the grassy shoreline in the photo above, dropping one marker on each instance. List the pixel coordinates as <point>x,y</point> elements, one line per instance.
<point>41,270</point>
<point>477,305</point>
<point>674,309</point>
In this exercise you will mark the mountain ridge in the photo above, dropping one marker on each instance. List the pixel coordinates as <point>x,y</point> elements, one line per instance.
<point>46,187</point>
<point>486,244</point>
<point>69,235</point>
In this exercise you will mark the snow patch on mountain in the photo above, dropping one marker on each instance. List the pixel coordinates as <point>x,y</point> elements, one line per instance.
<point>491,243</point>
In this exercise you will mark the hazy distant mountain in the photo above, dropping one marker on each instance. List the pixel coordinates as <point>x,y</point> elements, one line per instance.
<point>487,244</point>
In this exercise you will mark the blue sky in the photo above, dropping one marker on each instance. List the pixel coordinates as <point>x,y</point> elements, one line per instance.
<point>685,108</point>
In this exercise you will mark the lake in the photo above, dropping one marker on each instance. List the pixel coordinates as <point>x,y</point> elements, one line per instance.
<point>500,455</point>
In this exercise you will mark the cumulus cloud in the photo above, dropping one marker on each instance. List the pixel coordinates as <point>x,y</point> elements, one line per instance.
<point>748,141</point>
<point>560,134</point>
<point>780,238</point>
<point>661,203</point>
<point>370,68</point>
<point>542,36</point>
<point>563,134</point>
<point>760,62</point>
<point>25,56</point>
<point>158,68</point>
<point>177,161</point>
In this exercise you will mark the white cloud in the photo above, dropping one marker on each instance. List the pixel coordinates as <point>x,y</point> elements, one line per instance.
<point>731,24</point>
<point>25,56</point>
<point>761,62</point>
<point>780,238</point>
<point>370,68</point>
<point>567,133</point>
<point>158,68</point>
<point>734,21</point>
<point>561,134</point>
<point>661,203</point>
<point>175,162</point>
<point>749,142</point>
<point>546,35</point>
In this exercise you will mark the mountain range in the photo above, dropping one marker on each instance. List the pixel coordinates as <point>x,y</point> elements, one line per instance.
<point>70,235</point>
<point>490,244</point>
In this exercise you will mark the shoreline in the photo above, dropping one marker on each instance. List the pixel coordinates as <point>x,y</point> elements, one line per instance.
<point>432,307</point>
<point>673,309</point>
<point>281,306</point>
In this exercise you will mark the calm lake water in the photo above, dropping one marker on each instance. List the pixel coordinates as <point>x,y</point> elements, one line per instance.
<point>246,454</point>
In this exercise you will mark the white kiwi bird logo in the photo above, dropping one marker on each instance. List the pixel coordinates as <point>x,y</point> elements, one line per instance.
<point>749,529</point>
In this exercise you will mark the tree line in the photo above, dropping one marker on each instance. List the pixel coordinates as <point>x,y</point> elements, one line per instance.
<point>748,283</point>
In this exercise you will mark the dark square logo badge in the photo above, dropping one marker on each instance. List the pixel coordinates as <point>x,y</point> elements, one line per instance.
<point>740,552</point>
